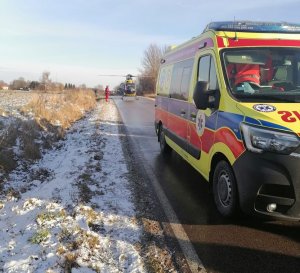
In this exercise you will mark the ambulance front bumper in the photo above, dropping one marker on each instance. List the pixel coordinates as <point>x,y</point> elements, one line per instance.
<point>269,184</point>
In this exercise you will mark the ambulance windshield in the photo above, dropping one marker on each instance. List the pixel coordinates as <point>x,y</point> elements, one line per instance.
<point>263,74</point>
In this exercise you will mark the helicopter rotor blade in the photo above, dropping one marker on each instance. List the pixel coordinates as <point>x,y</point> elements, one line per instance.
<point>112,75</point>
<point>128,75</point>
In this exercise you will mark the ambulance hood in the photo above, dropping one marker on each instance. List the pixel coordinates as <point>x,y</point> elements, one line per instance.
<point>279,116</point>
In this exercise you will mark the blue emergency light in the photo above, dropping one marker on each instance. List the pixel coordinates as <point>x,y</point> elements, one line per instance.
<point>250,26</point>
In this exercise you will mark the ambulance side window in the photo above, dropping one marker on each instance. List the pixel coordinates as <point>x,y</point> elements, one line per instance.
<point>298,73</point>
<point>207,72</point>
<point>181,78</point>
<point>213,80</point>
<point>185,81</point>
<point>175,83</point>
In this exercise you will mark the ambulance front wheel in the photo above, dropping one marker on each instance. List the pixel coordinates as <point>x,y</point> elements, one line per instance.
<point>164,147</point>
<point>225,189</point>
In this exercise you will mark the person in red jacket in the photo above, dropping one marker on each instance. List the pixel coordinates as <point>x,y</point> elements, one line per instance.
<point>250,76</point>
<point>244,77</point>
<point>239,73</point>
<point>247,73</point>
<point>106,93</point>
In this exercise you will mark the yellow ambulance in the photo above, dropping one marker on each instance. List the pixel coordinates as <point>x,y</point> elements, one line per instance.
<point>228,102</point>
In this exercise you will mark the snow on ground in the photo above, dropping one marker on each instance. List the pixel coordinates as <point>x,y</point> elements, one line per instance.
<point>11,101</point>
<point>72,211</point>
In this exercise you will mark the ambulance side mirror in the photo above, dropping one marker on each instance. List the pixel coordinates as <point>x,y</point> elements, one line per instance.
<point>203,97</point>
<point>200,95</point>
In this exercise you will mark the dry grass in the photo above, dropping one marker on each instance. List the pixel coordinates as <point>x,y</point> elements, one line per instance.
<point>90,214</point>
<point>51,112</point>
<point>70,262</point>
<point>7,161</point>
<point>8,138</point>
<point>9,135</point>
<point>71,242</point>
<point>46,216</point>
<point>61,109</point>
<point>26,133</point>
<point>30,132</point>
<point>3,112</point>
<point>40,236</point>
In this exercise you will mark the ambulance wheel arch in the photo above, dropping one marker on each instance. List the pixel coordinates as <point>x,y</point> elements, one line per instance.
<point>224,186</point>
<point>164,147</point>
<point>158,128</point>
<point>225,189</point>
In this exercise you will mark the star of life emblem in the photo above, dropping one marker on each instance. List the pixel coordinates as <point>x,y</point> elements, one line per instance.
<point>264,107</point>
<point>200,123</point>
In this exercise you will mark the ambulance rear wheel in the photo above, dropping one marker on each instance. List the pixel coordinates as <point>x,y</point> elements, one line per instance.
<point>164,147</point>
<point>225,189</point>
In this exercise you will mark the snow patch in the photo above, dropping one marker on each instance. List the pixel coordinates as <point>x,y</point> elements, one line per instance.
<point>77,212</point>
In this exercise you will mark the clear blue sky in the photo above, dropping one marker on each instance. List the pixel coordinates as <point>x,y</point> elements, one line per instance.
<point>76,40</point>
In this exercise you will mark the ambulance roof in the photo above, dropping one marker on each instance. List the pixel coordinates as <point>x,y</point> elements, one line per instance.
<point>250,26</point>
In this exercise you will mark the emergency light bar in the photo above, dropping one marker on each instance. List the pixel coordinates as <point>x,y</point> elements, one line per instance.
<point>249,26</point>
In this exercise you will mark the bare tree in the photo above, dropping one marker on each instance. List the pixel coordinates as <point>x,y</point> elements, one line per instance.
<point>150,67</point>
<point>18,84</point>
<point>45,81</point>
<point>99,86</point>
<point>34,85</point>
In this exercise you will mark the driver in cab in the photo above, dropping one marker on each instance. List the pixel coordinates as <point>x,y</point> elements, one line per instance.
<point>248,78</point>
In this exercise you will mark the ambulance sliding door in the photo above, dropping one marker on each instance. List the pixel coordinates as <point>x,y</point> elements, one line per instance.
<point>178,103</point>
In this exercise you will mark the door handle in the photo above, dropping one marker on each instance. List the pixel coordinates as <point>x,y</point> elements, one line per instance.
<point>193,116</point>
<point>182,113</point>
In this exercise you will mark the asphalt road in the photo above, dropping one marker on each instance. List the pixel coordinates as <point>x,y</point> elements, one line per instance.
<point>245,244</point>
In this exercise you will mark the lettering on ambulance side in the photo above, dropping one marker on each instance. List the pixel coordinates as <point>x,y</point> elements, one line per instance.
<point>289,116</point>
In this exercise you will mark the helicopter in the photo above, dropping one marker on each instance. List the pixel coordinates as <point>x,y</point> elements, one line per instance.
<point>128,87</point>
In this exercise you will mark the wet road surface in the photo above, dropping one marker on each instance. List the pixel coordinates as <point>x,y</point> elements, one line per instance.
<point>245,244</point>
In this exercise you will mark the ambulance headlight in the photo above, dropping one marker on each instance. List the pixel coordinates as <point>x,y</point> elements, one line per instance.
<point>260,140</point>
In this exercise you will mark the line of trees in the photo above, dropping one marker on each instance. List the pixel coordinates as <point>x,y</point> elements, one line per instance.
<point>44,84</point>
<point>70,86</point>
<point>146,80</point>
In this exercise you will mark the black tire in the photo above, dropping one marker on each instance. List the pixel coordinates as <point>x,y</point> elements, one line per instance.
<point>225,189</point>
<point>164,147</point>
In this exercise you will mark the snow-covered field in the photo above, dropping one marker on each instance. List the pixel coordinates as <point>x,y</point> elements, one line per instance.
<point>72,210</point>
<point>10,101</point>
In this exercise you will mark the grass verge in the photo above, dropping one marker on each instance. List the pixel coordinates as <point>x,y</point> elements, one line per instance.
<point>45,120</point>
